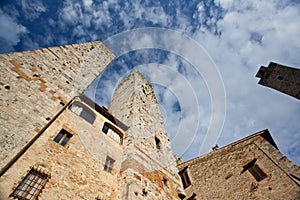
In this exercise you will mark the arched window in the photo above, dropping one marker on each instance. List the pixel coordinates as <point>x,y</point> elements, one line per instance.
<point>112,132</point>
<point>83,112</point>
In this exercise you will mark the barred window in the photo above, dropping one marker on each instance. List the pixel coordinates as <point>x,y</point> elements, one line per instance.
<point>32,185</point>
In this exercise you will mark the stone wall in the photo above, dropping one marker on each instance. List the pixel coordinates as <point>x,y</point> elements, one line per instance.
<point>77,169</point>
<point>282,78</point>
<point>34,86</point>
<point>221,173</point>
<point>148,168</point>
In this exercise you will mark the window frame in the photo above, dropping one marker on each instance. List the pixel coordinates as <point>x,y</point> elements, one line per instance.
<point>86,109</point>
<point>185,178</point>
<point>157,143</point>
<point>109,163</point>
<point>107,126</point>
<point>63,137</point>
<point>31,185</point>
<point>253,168</point>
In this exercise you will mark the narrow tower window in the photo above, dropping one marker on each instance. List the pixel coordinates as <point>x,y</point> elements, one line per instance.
<point>280,78</point>
<point>108,164</point>
<point>165,182</point>
<point>157,143</point>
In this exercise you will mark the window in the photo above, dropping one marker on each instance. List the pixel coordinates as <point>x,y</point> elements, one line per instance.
<point>108,130</point>
<point>280,78</point>
<point>32,185</point>
<point>165,182</point>
<point>185,178</point>
<point>157,143</point>
<point>193,197</point>
<point>83,112</point>
<point>109,164</point>
<point>255,170</point>
<point>62,137</point>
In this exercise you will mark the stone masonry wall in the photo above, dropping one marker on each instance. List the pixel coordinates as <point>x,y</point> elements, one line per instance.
<point>34,86</point>
<point>77,169</point>
<point>220,175</point>
<point>148,169</point>
<point>282,78</point>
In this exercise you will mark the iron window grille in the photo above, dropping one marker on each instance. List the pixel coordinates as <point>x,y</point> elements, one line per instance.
<point>32,185</point>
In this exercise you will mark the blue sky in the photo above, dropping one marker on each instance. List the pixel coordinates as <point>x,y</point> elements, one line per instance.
<point>238,36</point>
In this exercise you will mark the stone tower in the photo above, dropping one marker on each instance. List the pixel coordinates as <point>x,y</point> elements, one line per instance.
<point>282,78</point>
<point>148,168</point>
<point>35,86</point>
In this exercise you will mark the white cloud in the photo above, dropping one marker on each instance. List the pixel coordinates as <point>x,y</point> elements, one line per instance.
<point>32,8</point>
<point>253,33</point>
<point>11,31</point>
<point>87,3</point>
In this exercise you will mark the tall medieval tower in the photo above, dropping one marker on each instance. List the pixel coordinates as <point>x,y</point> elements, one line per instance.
<point>35,85</point>
<point>148,168</point>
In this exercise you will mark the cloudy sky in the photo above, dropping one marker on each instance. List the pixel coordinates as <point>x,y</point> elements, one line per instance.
<point>204,79</point>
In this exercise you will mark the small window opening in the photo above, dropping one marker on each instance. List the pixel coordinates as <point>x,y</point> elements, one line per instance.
<point>186,182</point>
<point>255,170</point>
<point>31,186</point>
<point>63,137</point>
<point>83,112</point>
<point>157,143</point>
<point>165,182</point>
<point>111,132</point>
<point>280,78</point>
<point>193,197</point>
<point>109,164</point>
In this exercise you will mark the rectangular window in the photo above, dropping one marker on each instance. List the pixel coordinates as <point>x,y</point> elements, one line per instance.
<point>193,197</point>
<point>255,170</point>
<point>31,186</point>
<point>83,112</point>
<point>108,130</point>
<point>62,137</point>
<point>186,182</point>
<point>157,143</point>
<point>109,164</point>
